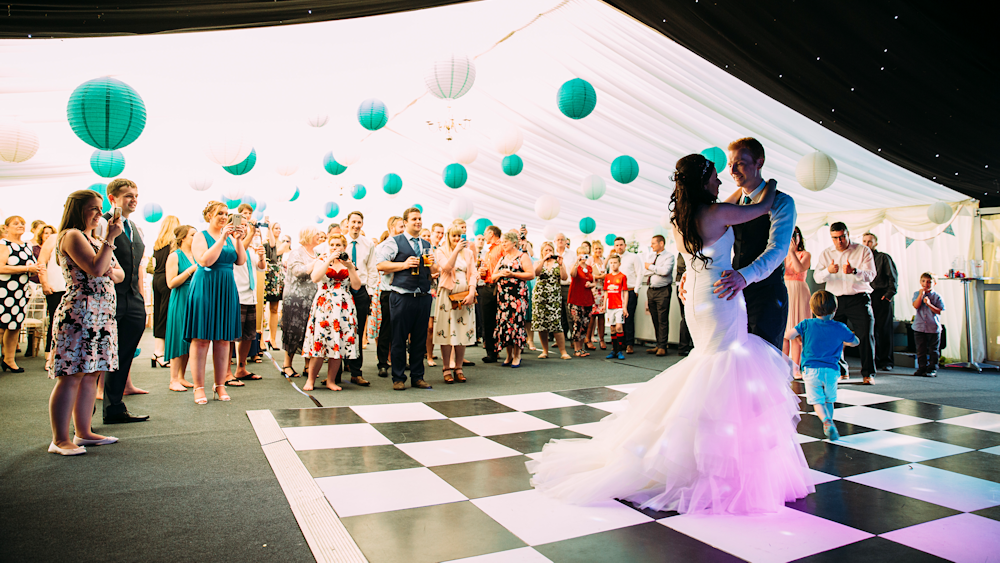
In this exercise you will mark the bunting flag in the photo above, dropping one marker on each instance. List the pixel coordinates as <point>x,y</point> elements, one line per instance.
<point>909,241</point>
<point>930,243</point>
<point>893,230</point>
<point>949,231</point>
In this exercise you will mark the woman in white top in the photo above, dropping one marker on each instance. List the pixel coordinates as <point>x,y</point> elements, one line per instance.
<point>53,286</point>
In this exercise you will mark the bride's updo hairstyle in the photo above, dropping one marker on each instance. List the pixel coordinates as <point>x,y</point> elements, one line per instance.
<point>690,176</point>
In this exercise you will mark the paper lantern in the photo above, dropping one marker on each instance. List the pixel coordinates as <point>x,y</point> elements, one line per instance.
<point>287,169</point>
<point>479,227</point>
<point>372,114</point>
<point>576,98</point>
<point>331,209</point>
<point>718,158</point>
<point>105,113</point>
<point>509,140</point>
<point>152,212</point>
<point>392,183</point>
<point>349,157</point>
<point>587,225</point>
<point>295,195</point>
<point>512,165</point>
<point>593,187</point>
<point>550,232</point>
<point>262,206</point>
<point>392,196</point>
<point>331,165</point>
<point>107,164</point>
<point>547,207</point>
<point>454,176</point>
<point>317,120</point>
<point>251,201</point>
<point>244,166</point>
<point>939,212</point>
<point>464,153</point>
<point>461,208</point>
<point>200,184</point>
<point>319,219</point>
<point>624,169</point>
<point>665,221</point>
<point>419,207</point>
<point>233,203</point>
<point>258,215</point>
<point>358,191</point>
<point>17,142</point>
<point>609,239</point>
<point>451,77</point>
<point>229,149</point>
<point>234,192</point>
<point>816,171</point>
<point>103,190</point>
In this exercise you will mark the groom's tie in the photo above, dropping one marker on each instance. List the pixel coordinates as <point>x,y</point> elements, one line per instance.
<point>746,200</point>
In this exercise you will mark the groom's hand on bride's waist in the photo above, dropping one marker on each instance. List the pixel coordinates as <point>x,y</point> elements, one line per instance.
<point>730,284</point>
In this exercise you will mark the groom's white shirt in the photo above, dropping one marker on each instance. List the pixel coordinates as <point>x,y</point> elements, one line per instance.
<point>782,226</point>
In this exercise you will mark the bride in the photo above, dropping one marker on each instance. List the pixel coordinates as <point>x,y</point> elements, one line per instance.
<point>714,433</point>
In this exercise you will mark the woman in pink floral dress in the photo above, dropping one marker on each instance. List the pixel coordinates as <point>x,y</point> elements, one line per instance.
<point>332,330</point>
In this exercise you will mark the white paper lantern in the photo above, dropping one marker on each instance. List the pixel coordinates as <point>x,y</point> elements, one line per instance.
<point>593,187</point>
<point>17,142</point>
<point>234,192</point>
<point>392,196</point>
<point>550,231</point>
<point>547,207</point>
<point>348,157</point>
<point>816,171</point>
<point>509,141</point>
<point>200,184</point>
<point>464,153</point>
<point>229,149</point>
<point>451,77</point>
<point>939,212</point>
<point>317,120</point>
<point>461,208</point>
<point>665,221</point>
<point>287,169</point>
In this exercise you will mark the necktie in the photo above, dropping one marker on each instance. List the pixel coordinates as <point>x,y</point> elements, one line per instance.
<point>253,282</point>
<point>746,200</point>
<point>416,246</point>
<point>354,252</point>
<point>127,229</point>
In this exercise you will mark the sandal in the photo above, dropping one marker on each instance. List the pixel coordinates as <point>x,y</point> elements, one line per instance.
<point>566,357</point>
<point>293,374</point>
<point>543,355</point>
<point>232,383</point>
<point>459,376</point>
<point>250,376</point>
<point>603,345</point>
<point>448,375</point>
<point>590,346</point>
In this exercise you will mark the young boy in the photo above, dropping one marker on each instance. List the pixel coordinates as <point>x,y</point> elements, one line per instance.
<point>927,326</point>
<point>616,305</point>
<point>823,341</point>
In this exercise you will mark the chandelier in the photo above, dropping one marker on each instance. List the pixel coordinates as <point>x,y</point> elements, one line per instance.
<point>449,125</point>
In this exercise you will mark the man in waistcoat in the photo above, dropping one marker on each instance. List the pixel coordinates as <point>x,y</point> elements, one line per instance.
<point>409,299</point>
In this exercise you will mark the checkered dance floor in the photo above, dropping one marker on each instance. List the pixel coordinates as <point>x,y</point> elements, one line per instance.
<point>442,481</point>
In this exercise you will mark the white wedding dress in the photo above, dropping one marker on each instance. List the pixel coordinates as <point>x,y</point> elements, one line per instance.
<point>715,433</point>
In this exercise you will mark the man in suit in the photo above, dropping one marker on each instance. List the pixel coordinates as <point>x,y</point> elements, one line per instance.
<point>362,252</point>
<point>884,288</point>
<point>131,311</point>
<point>487,292</point>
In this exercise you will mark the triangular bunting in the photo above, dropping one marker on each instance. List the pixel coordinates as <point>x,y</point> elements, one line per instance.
<point>930,243</point>
<point>949,231</point>
<point>893,230</point>
<point>909,241</point>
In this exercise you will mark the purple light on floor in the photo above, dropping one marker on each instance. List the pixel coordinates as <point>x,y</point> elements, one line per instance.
<point>963,537</point>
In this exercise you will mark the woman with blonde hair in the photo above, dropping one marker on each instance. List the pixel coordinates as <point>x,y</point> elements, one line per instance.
<point>50,276</point>
<point>161,291</point>
<point>180,267</point>
<point>16,264</point>
<point>512,273</point>
<point>375,291</point>
<point>455,318</point>
<point>298,297</point>
<point>596,326</point>
<point>274,280</point>
<point>39,235</point>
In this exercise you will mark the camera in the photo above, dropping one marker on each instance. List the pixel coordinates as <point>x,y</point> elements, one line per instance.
<point>343,256</point>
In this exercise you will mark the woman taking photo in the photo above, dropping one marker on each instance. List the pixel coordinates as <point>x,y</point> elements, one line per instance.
<point>50,275</point>
<point>455,320</point>
<point>596,328</point>
<point>161,290</point>
<point>274,279</point>
<point>16,264</point>
<point>512,273</point>
<point>581,299</point>
<point>298,296</point>
<point>547,300</point>
<point>180,267</point>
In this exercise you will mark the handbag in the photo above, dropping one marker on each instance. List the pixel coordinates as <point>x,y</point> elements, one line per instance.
<point>457,298</point>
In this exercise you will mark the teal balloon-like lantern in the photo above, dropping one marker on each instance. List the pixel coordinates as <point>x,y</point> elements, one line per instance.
<point>512,165</point>
<point>609,240</point>
<point>624,169</point>
<point>331,209</point>
<point>152,212</point>
<point>103,190</point>
<point>261,207</point>
<point>105,113</point>
<point>455,176</point>
<point>258,215</point>
<point>233,203</point>
<point>331,165</point>
<point>358,191</point>
<point>718,158</point>
<point>241,168</point>
<point>319,219</point>
<point>576,98</point>
<point>587,225</point>
<point>249,200</point>
<point>479,227</point>
<point>419,207</point>
<point>107,164</point>
<point>295,195</point>
<point>392,183</point>
<point>372,114</point>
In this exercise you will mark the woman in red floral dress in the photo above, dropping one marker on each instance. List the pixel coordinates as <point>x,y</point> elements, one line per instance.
<point>512,273</point>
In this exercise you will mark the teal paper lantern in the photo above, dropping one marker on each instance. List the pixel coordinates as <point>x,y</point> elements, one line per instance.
<point>233,203</point>
<point>358,191</point>
<point>419,207</point>
<point>331,209</point>
<point>331,165</point>
<point>320,219</point>
<point>251,201</point>
<point>261,207</point>
<point>241,168</point>
<point>258,215</point>
<point>372,114</point>
<point>152,212</point>
<point>624,169</point>
<point>576,98</point>
<point>105,113</point>
<point>103,190</point>
<point>610,239</point>
<point>295,195</point>
<point>512,165</point>
<point>717,156</point>
<point>587,225</point>
<point>107,164</point>
<point>479,227</point>
<point>454,176</point>
<point>392,183</point>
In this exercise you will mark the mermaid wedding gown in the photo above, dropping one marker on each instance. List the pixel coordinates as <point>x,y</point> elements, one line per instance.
<point>715,433</point>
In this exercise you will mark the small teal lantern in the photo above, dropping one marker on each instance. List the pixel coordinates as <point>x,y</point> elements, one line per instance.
<point>479,227</point>
<point>372,114</point>
<point>233,203</point>
<point>331,165</point>
<point>609,240</point>
<point>455,176</point>
<point>241,168</point>
<point>103,190</point>
<point>295,195</point>
<point>512,165</point>
<point>624,169</point>
<point>261,207</point>
<point>392,183</point>
<point>105,113</point>
<point>107,164</point>
<point>576,98</point>
<point>258,215</point>
<point>587,225</point>
<point>419,207</point>
<point>718,158</point>
<point>331,209</point>
<point>250,200</point>
<point>319,219</point>
<point>152,212</point>
<point>358,191</point>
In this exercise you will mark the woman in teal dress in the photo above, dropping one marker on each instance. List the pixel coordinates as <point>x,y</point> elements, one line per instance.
<point>213,309</point>
<point>180,267</point>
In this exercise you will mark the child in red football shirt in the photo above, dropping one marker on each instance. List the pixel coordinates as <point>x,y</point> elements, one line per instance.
<point>616,304</point>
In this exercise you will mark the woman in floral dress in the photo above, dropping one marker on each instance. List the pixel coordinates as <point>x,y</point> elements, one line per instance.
<point>512,273</point>
<point>274,278</point>
<point>332,330</point>
<point>455,322</point>
<point>547,300</point>
<point>298,296</point>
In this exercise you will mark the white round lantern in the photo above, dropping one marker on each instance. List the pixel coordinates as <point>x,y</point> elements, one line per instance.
<point>17,143</point>
<point>200,184</point>
<point>229,149</point>
<point>593,187</point>
<point>348,157</point>
<point>816,171</point>
<point>939,213</point>
<point>464,153</point>
<point>287,169</point>
<point>550,232</point>
<point>234,192</point>
<point>317,120</point>
<point>665,222</point>
<point>461,208</point>
<point>509,140</point>
<point>392,196</point>
<point>547,207</point>
<point>451,77</point>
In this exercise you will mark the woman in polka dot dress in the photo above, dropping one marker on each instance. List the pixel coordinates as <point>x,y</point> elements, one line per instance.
<point>16,264</point>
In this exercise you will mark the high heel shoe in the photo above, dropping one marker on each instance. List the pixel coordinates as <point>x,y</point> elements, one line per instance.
<point>220,396</point>
<point>155,361</point>
<point>6,367</point>
<point>203,400</point>
<point>271,346</point>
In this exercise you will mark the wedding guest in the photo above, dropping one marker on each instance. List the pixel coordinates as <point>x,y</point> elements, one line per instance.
<point>884,288</point>
<point>684,343</point>
<point>298,296</point>
<point>511,274</point>
<point>660,271</point>
<point>597,313</point>
<point>529,249</point>
<point>617,306</point>
<point>632,268</point>
<point>429,354</point>
<point>581,300</point>
<point>383,347</point>
<point>927,326</point>
<point>362,253</point>
<point>50,276</point>
<point>490,255</point>
<point>375,316</point>
<point>16,264</point>
<point>180,267</point>
<point>245,277</point>
<point>547,300</point>
<point>797,263</point>
<point>455,320</point>
<point>41,234</point>
<point>562,249</point>
<point>275,247</point>
<point>161,291</point>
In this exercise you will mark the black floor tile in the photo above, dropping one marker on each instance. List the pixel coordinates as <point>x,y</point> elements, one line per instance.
<point>655,514</point>
<point>974,464</point>
<point>811,425</point>
<point>349,461</point>
<point>798,386</point>
<point>593,395</point>
<point>952,434</point>
<point>844,462</point>
<point>477,479</point>
<point>866,508</point>
<point>872,550</point>
<point>566,416</point>
<point>804,405</point>
<point>531,442</point>
<point>429,534</point>
<point>468,407</point>
<point>316,417</point>
<point>643,542</point>
<point>992,512</point>
<point>923,410</point>
<point>422,431</point>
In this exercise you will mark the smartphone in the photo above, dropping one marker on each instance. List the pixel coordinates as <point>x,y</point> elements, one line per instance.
<point>463,236</point>
<point>522,231</point>
<point>237,219</point>
<point>116,213</point>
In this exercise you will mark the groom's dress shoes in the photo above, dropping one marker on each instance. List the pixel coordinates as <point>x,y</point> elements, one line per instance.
<point>124,417</point>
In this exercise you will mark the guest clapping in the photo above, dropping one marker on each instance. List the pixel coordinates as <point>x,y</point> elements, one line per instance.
<point>16,264</point>
<point>180,266</point>
<point>511,274</point>
<point>455,320</point>
<point>298,296</point>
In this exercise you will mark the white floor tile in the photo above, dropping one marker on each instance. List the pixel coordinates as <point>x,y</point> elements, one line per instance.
<point>334,436</point>
<point>587,429</point>
<point>611,406</point>
<point>962,537</point>
<point>899,446</point>
<point>875,418</point>
<point>402,412</point>
<point>384,491</point>
<point>538,519</point>
<point>767,538</point>
<point>536,455</point>
<point>980,421</point>
<point>995,450</point>
<point>626,388</point>
<point>535,401</point>
<point>458,450</point>
<point>860,398</point>
<point>502,423</point>
<point>818,477</point>
<point>937,486</point>
<point>521,555</point>
<point>803,439</point>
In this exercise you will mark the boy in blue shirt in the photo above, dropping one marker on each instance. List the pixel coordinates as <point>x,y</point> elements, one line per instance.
<point>927,326</point>
<point>823,341</point>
